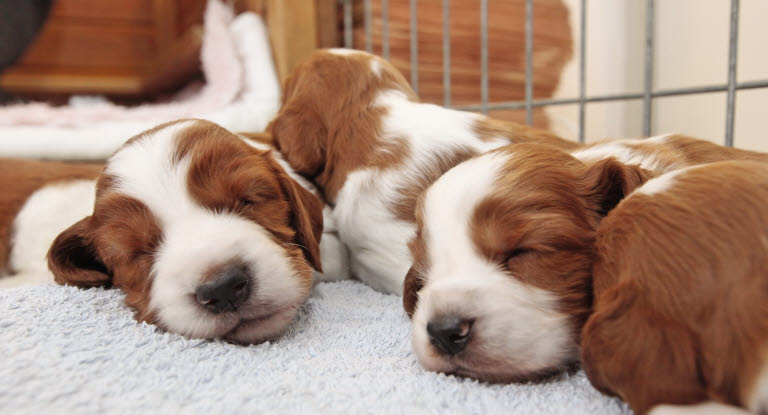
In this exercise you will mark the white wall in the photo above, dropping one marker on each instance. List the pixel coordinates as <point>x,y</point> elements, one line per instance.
<point>691,50</point>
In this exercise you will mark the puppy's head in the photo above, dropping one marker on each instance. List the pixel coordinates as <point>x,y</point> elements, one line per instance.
<point>207,236</point>
<point>501,280</point>
<point>325,97</point>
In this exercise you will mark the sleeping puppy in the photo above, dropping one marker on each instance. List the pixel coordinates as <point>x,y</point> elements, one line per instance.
<point>680,313</point>
<point>502,278</point>
<point>205,232</point>
<point>351,123</point>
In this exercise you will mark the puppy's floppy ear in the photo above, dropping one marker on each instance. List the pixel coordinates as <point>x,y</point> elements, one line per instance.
<point>306,217</point>
<point>609,181</point>
<point>299,130</point>
<point>300,135</point>
<point>411,286</point>
<point>73,259</point>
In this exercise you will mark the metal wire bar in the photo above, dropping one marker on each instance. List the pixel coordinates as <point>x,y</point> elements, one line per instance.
<point>348,23</point>
<point>733,42</point>
<point>385,29</point>
<point>484,55</point>
<point>447,53</point>
<point>582,69</point>
<point>528,61</point>
<point>368,19</point>
<point>647,97</point>
<point>414,46</point>
<point>619,97</point>
<point>752,84</point>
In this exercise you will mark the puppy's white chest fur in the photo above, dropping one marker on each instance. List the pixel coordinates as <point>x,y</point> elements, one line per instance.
<point>376,237</point>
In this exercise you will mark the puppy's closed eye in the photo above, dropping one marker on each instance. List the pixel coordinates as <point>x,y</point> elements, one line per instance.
<point>258,191</point>
<point>516,254</point>
<point>255,193</point>
<point>245,202</point>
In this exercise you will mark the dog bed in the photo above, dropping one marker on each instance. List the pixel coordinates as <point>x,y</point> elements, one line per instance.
<point>241,93</point>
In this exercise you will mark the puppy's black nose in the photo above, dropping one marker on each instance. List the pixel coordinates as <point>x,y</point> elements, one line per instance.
<point>228,290</point>
<point>449,335</point>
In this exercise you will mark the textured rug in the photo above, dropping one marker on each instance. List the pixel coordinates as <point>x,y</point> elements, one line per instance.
<point>66,350</point>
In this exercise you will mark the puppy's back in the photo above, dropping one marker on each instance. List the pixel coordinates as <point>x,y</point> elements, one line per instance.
<point>681,290</point>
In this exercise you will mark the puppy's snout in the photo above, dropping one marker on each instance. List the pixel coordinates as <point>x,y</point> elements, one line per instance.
<point>449,335</point>
<point>227,291</point>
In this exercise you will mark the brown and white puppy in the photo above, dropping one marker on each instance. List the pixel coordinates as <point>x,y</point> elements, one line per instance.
<point>502,278</point>
<point>680,313</point>
<point>38,200</point>
<point>205,232</point>
<point>351,123</point>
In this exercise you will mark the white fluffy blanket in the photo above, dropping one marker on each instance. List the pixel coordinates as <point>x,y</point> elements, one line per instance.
<point>67,350</point>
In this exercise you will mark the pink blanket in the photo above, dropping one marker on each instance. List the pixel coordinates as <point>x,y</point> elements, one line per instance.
<point>223,74</point>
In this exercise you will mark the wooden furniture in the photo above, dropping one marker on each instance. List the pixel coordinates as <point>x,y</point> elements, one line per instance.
<point>296,28</point>
<point>118,47</point>
<point>139,48</point>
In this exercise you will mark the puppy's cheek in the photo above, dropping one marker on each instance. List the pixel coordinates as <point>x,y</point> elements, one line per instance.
<point>305,277</point>
<point>303,273</point>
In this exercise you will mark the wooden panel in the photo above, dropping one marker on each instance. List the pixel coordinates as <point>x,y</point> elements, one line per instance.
<point>176,64</point>
<point>256,6</point>
<point>94,45</point>
<point>328,30</point>
<point>53,80</point>
<point>188,14</point>
<point>293,32</point>
<point>116,47</point>
<point>134,10</point>
<point>164,23</point>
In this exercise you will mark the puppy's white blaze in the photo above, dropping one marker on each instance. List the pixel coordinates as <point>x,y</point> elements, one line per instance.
<point>449,204</point>
<point>516,325</point>
<point>45,214</point>
<point>380,255</point>
<point>661,183</point>
<point>145,170</point>
<point>196,239</point>
<point>620,152</point>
